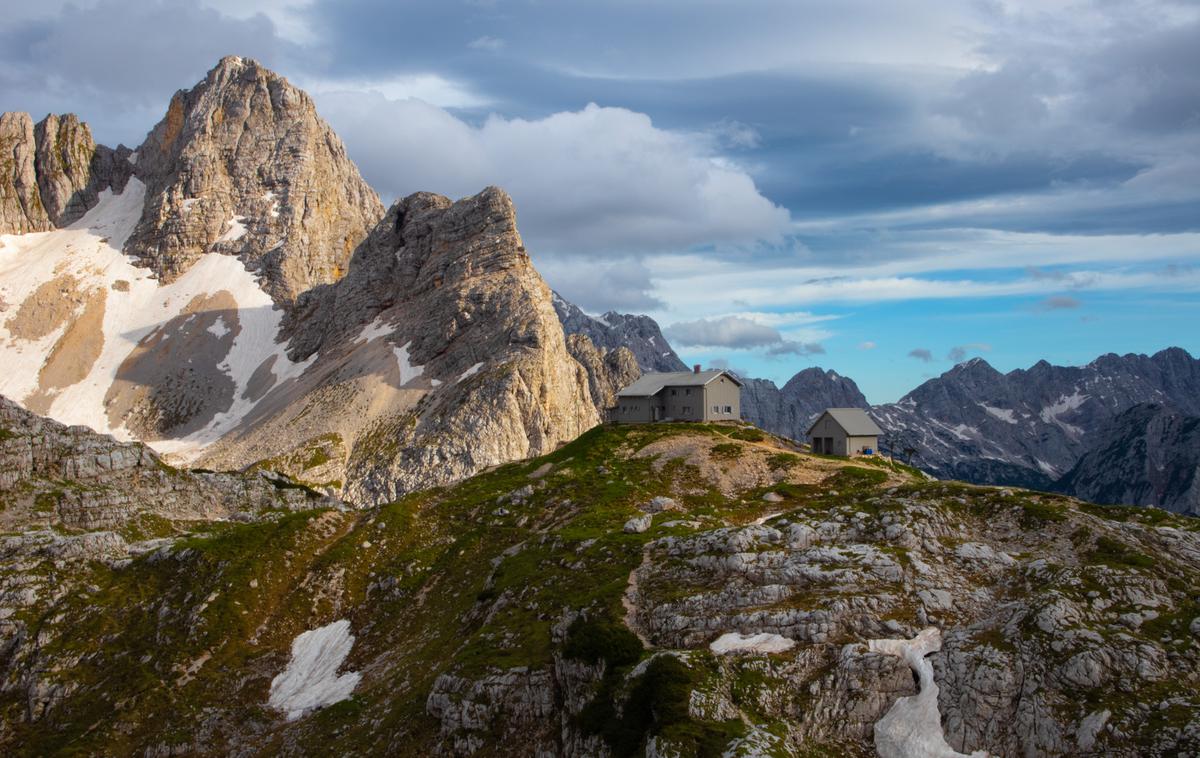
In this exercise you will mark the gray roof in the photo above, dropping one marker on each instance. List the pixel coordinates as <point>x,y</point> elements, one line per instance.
<point>854,421</point>
<point>652,383</point>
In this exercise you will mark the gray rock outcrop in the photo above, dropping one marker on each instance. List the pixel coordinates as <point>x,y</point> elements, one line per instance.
<point>52,172</point>
<point>53,475</point>
<point>21,208</point>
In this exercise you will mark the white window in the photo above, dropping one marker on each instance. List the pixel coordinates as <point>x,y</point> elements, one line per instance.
<point>716,409</point>
<point>729,409</point>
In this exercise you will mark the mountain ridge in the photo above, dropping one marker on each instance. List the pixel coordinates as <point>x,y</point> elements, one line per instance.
<point>244,275</point>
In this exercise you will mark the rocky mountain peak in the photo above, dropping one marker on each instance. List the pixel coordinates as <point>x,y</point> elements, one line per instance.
<point>640,334</point>
<point>241,164</point>
<point>443,351</point>
<point>52,172</point>
<point>789,410</point>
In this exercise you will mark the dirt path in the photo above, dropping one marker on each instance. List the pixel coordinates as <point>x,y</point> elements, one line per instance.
<point>629,599</point>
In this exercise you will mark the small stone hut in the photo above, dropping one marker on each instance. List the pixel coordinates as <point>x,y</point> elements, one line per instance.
<point>844,431</point>
<point>680,396</point>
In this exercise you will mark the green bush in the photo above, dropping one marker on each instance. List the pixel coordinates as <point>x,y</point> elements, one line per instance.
<point>1115,554</point>
<point>602,639</point>
<point>783,460</point>
<point>748,435</point>
<point>727,450</point>
<point>657,700</point>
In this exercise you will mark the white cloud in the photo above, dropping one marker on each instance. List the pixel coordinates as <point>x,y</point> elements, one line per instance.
<point>430,88</point>
<point>739,333</point>
<point>490,44</point>
<point>867,345</point>
<point>959,352</point>
<point>597,179</point>
<point>730,331</point>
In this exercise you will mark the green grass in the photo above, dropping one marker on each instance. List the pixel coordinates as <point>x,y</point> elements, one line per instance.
<point>782,460</point>
<point>1117,555</point>
<point>726,451</point>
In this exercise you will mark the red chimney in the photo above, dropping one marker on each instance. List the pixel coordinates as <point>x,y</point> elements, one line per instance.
<point>696,369</point>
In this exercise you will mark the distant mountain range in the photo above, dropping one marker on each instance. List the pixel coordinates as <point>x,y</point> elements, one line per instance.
<point>1146,455</point>
<point>1047,427</point>
<point>1031,427</point>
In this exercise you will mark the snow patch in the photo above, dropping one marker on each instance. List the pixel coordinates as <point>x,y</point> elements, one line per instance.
<point>470,372</point>
<point>964,432</point>
<point>311,680</point>
<point>237,230</point>
<point>90,251</point>
<point>1047,468</point>
<point>408,372</point>
<point>764,642</point>
<point>374,330</point>
<point>1050,414</point>
<point>912,728</point>
<point>270,198</point>
<point>218,328</point>
<point>189,202</point>
<point>1003,414</point>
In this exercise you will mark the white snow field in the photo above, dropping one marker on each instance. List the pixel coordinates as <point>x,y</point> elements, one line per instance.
<point>134,304</point>
<point>750,643</point>
<point>913,726</point>
<point>310,680</point>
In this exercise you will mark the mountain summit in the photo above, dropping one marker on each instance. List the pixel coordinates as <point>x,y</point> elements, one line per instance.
<point>233,292</point>
<point>242,164</point>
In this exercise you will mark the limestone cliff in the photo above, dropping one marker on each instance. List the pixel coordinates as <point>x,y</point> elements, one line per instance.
<point>21,208</point>
<point>69,477</point>
<point>52,172</point>
<point>242,164</point>
<point>438,355</point>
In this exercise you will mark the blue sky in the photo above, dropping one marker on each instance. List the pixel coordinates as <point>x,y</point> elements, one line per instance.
<point>876,188</point>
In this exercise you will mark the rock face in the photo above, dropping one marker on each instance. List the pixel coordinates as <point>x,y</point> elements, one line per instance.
<point>21,208</point>
<point>242,164</point>
<point>789,411</point>
<point>1148,455</point>
<point>69,477</point>
<point>640,334</point>
<point>608,372</point>
<point>53,172</point>
<point>1029,427</point>
<point>438,354</point>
